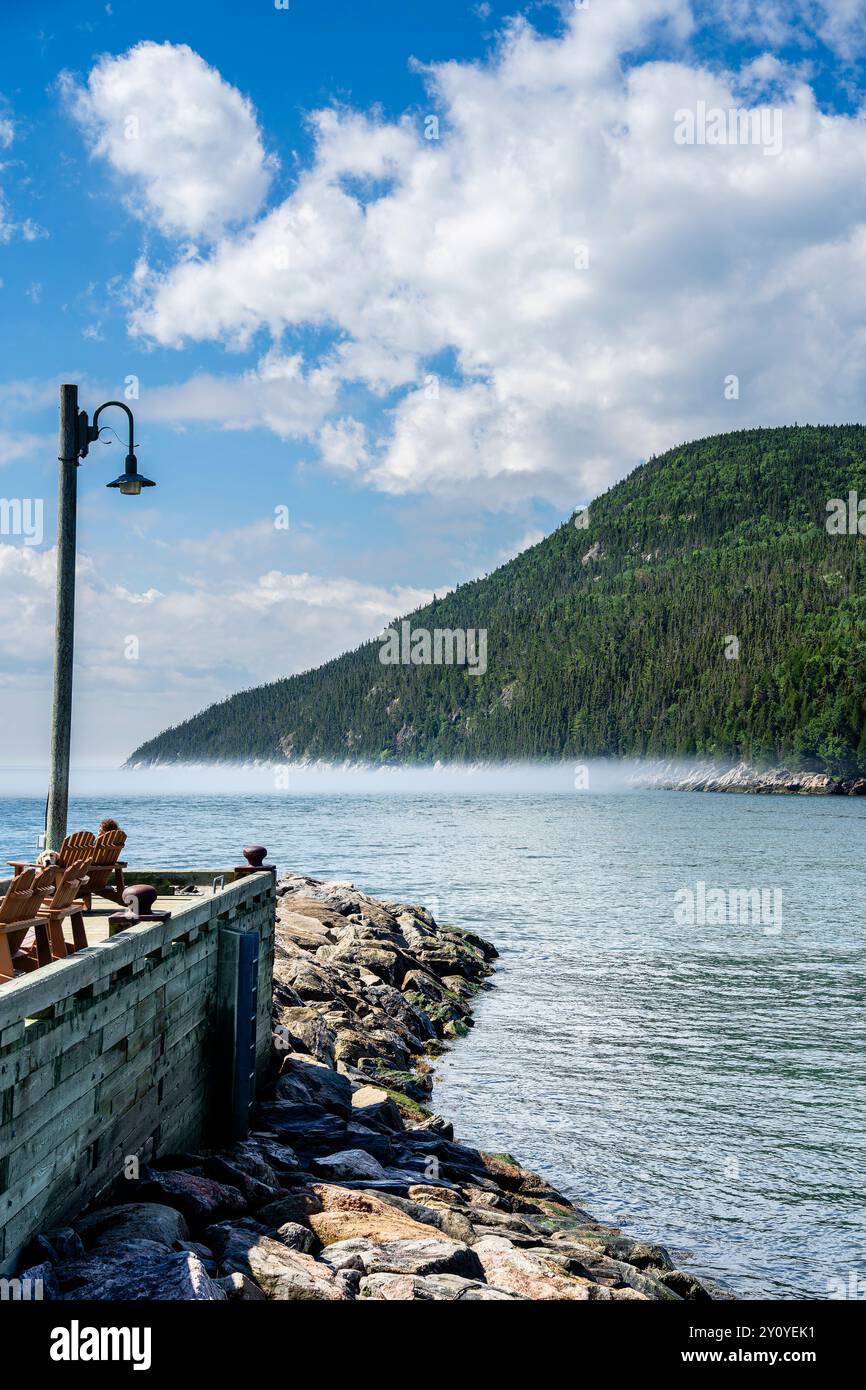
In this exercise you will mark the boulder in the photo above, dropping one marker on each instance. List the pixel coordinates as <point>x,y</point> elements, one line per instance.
<point>240,1288</point>
<point>430,1287</point>
<point>324,1085</point>
<point>307,1032</point>
<point>382,1044</point>
<point>284,1274</point>
<point>113,1226</point>
<point>351,1214</point>
<point>297,1237</point>
<point>197,1198</point>
<point>371,1103</point>
<point>308,1126</point>
<point>349,1163</point>
<point>525,1274</point>
<point>307,978</point>
<point>427,1255</point>
<point>452,1223</point>
<point>294,1207</point>
<point>142,1270</point>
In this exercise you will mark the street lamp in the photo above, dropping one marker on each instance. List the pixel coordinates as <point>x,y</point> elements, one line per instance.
<point>76,435</point>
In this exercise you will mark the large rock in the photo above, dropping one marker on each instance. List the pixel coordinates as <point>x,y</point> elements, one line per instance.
<point>431,1287</point>
<point>372,1104</point>
<point>324,1085</point>
<point>198,1198</point>
<point>451,1222</point>
<point>284,1274</point>
<point>112,1226</point>
<point>528,1275</point>
<point>427,1255</point>
<point>307,1032</point>
<point>508,1174</point>
<point>349,1163</point>
<point>295,1207</point>
<point>386,1046</point>
<point>141,1270</point>
<point>307,978</point>
<point>307,1126</point>
<point>349,1214</point>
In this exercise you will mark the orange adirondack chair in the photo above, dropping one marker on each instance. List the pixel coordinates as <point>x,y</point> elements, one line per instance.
<point>75,847</point>
<point>64,902</point>
<point>80,842</point>
<point>105,854</point>
<point>18,913</point>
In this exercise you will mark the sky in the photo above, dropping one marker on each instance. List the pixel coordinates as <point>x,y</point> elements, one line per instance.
<point>391,289</point>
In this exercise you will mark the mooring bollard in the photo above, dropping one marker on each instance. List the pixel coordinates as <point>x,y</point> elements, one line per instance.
<point>255,856</point>
<point>140,899</point>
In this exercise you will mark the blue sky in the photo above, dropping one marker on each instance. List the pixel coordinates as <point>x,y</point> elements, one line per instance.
<point>389,334</point>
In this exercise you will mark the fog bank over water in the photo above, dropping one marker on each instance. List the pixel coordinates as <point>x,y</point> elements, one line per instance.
<point>597,776</point>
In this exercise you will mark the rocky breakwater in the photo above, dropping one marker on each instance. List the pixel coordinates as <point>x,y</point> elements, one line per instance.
<point>350,1188</point>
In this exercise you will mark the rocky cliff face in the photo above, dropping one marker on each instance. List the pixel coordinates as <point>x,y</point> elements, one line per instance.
<point>350,1188</point>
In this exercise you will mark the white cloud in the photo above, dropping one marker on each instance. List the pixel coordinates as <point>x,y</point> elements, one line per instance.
<point>196,644</point>
<point>19,446</point>
<point>185,140</point>
<point>704,262</point>
<point>343,446</point>
<point>277,393</point>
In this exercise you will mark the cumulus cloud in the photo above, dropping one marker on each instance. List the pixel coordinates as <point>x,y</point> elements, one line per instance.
<point>186,141</point>
<point>19,446</point>
<point>597,290</point>
<point>277,393</point>
<point>196,642</point>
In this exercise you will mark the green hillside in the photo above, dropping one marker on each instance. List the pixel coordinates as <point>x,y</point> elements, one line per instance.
<point>611,640</point>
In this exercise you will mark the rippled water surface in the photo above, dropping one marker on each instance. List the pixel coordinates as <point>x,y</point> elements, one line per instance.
<point>701,1085</point>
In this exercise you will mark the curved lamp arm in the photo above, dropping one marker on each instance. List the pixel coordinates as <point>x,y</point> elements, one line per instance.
<point>93,431</point>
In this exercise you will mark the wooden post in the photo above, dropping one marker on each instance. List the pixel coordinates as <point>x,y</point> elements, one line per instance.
<point>61,712</point>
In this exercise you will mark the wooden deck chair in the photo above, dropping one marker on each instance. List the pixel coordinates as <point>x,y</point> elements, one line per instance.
<point>74,847</point>
<point>18,913</point>
<point>79,843</point>
<point>63,902</point>
<point>105,855</point>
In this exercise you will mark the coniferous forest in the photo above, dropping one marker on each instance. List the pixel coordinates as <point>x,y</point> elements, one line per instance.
<point>704,610</point>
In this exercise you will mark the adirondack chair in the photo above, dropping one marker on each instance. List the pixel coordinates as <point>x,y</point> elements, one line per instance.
<point>64,902</point>
<point>18,913</point>
<point>76,846</point>
<point>105,853</point>
<point>80,842</point>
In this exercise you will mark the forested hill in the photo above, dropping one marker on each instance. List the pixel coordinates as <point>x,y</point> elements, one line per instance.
<point>615,639</point>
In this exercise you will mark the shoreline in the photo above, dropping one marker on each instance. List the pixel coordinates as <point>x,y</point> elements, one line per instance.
<point>745,779</point>
<point>349,1187</point>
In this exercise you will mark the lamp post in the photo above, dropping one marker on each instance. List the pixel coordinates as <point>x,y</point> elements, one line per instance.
<point>76,435</point>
